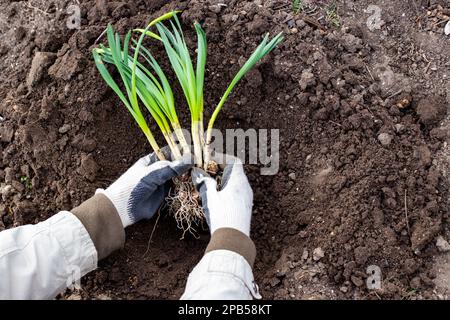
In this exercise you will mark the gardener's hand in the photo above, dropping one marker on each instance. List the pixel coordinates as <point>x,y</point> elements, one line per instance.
<point>231,206</point>
<point>140,191</point>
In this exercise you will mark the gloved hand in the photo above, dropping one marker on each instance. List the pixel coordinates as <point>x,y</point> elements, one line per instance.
<point>140,191</point>
<point>231,206</point>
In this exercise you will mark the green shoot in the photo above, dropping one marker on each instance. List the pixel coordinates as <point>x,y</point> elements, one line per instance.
<point>261,51</point>
<point>333,15</point>
<point>156,101</point>
<point>120,58</point>
<point>26,182</point>
<point>191,81</point>
<point>143,87</point>
<point>152,23</point>
<point>115,55</point>
<point>297,6</point>
<point>163,95</point>
<point>151,86</point>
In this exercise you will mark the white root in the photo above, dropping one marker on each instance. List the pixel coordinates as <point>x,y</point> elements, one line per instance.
<point>184,204</point>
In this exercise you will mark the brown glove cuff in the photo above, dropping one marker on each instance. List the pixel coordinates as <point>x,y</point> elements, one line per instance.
<point>233,240</point>
<point>101,220</point>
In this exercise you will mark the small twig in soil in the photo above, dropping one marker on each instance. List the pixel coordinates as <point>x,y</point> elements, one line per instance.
<point>415,7</point>
<point>441,22</point>
<point>151,235</point>
<point>394,94</point>
<point>100,36</point>
<point>339,125</point>
<point>370,73</point>
<point>406,214</point>
<point>427,67</point>
<point>37,9</point>
<point>311,11</point>
<point>282,6</point>
<point>370,111</point>
<point>312,22</point>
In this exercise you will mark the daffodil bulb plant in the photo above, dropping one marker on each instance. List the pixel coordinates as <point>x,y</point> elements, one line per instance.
<point>143,82</point>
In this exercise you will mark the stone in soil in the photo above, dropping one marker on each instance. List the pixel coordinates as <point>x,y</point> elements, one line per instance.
<point>423,154</point>
<point>424,231</point>
<point>399,128</point>
<point>88,168</point>
<point>442,244</point>
<point>6,132</point>
<point>431,110</point>
<point>64,129</point>
<point>9,175</point>
<point>68,65</point>
<point>80,141</point>
<point>385,139</point>
<point>39,66</point>
<point>318,254</point>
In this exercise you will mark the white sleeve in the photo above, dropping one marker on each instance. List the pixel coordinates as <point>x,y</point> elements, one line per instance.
<point>39,261</point>
<point>221,275</point>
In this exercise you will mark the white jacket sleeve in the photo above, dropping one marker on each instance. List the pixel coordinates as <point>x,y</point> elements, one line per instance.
<point>221,275</point>
<point>39,261</point>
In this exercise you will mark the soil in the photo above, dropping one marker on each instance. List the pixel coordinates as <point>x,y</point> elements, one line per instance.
<point>364,140</point>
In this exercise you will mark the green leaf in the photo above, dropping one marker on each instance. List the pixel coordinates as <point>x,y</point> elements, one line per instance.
<point>109,80</point>
<point>148,33</point>
<point>201,63</point>
<point>181,63</point>
<point>261,51</point>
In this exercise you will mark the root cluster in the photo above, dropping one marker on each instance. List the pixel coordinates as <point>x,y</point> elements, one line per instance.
<point>184,204</point>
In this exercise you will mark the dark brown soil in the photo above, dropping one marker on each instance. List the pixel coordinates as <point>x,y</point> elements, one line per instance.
<point>359,114</point>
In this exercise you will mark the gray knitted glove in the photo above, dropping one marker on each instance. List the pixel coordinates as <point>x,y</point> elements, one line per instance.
<point>231,206</point>
<point>140,191</point>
